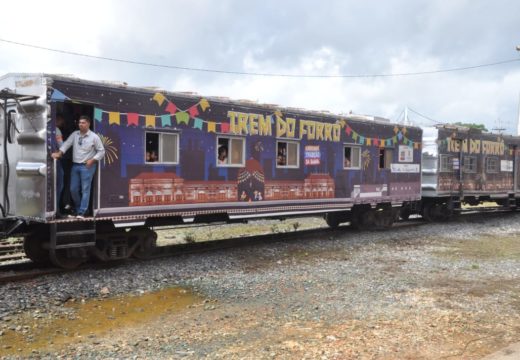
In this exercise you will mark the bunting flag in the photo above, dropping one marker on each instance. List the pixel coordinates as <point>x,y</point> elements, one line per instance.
<point>212,126</point>
<point>361,140</point>
<point>171,108</point>
<point>182,117</point>
<point>113,118</point>
<point>376,142</point>
<point>150,121</point>
<point>369,141</point>
<point>224,127</point>
<point>98,114</point>
<point>348,130</point>
<point>204,104</point>
<point>132,119</point>
<point>193,111</point>
<point>166,120</point>
<point>198,123</point>
<point>159,98</point>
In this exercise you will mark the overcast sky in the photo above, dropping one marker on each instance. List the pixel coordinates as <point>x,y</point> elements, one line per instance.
<point>327,37</point>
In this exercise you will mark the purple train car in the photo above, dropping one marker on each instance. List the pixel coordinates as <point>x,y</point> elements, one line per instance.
<point>463,165</point>
<point>173,158</point>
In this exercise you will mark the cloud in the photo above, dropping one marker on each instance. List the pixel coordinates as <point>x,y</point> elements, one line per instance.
<point>290,37</point>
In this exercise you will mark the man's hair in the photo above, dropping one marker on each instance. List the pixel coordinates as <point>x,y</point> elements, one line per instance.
<point>86,118</point>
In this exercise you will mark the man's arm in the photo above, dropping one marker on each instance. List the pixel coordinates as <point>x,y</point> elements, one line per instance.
<point>64,147</point>
<point>100,149</point>
<point>67,143</point>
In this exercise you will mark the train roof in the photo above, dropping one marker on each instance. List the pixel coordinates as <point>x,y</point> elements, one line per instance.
<point>119,85</point>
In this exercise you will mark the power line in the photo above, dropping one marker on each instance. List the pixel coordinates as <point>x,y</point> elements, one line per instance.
<point>230,72</point>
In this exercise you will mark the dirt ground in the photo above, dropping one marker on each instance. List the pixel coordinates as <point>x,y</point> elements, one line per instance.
<point>442,292</point>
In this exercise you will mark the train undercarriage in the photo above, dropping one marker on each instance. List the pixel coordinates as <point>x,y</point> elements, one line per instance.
<point>68,245</point>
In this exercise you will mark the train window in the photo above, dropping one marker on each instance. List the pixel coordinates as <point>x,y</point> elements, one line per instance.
<point>385,158</point>
<point>351,157</point>
<point>492,164</point>
<point>287,154</point>
<point>162,148</point>
<point>446,163</point>
<point>230,151</point>
<point>470,164</point>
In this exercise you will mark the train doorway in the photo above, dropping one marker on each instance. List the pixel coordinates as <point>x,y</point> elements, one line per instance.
<point>66,115</point>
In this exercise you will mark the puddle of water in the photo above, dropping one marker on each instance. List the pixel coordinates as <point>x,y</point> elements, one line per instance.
<point>90,320</point>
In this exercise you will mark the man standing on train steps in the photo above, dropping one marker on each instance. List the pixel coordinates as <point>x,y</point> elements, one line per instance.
<point>87,150</point>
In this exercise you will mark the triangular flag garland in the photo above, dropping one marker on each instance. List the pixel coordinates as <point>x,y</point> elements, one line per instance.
<point>173,115</point>
<point>381,142</point>
<point>189,117</point>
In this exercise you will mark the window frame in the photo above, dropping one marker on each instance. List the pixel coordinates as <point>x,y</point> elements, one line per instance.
<point>351,146</point>
<point>389,165</point>
<point>465,167</point>
<point>297,166</point>
<point>497,164</point>
<point>229,138</point>
<point>449,163</point>
<point>160,149</point>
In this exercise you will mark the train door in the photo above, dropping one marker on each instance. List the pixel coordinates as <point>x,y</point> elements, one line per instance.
<point>71,112</point>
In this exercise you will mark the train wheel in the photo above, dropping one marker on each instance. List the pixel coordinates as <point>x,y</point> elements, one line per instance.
<point>383,218</point>
<point>332,220</point>
<point>427,212</point>
<point>405,214</point>
<point>436,212</point>
<point>34,249</point>
<point>363,219</point>
<point>68,258</point>
<point>147,242</point>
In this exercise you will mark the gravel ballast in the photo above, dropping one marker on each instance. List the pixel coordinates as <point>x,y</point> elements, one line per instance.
<point>431,291</point>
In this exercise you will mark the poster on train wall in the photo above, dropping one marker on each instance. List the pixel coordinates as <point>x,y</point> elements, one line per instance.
<point>405,168</point>
<point>312,155</point>
<point>506,165</point>
<point>405,154</point>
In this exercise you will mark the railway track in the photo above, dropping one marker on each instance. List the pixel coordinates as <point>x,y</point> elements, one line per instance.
<point>23,269</point>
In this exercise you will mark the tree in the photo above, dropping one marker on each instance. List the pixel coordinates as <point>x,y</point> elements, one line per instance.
<point>480,127</point>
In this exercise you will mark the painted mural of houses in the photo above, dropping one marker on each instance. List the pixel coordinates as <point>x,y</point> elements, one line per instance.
<point>167,188</point>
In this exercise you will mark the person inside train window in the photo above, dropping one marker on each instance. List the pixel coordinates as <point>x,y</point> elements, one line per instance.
<point>152,147</point>
<point>222,155</point>
<point>281,160</point>
<point>223,151</point>
<point>153,156</point>
<point>348,154</point>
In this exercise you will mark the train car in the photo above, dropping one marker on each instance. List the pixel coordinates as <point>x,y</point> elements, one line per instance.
<point>175,158</point>
<point>462,165</point>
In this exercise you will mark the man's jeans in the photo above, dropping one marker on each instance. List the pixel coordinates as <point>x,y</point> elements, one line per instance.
<point>80,183</point>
